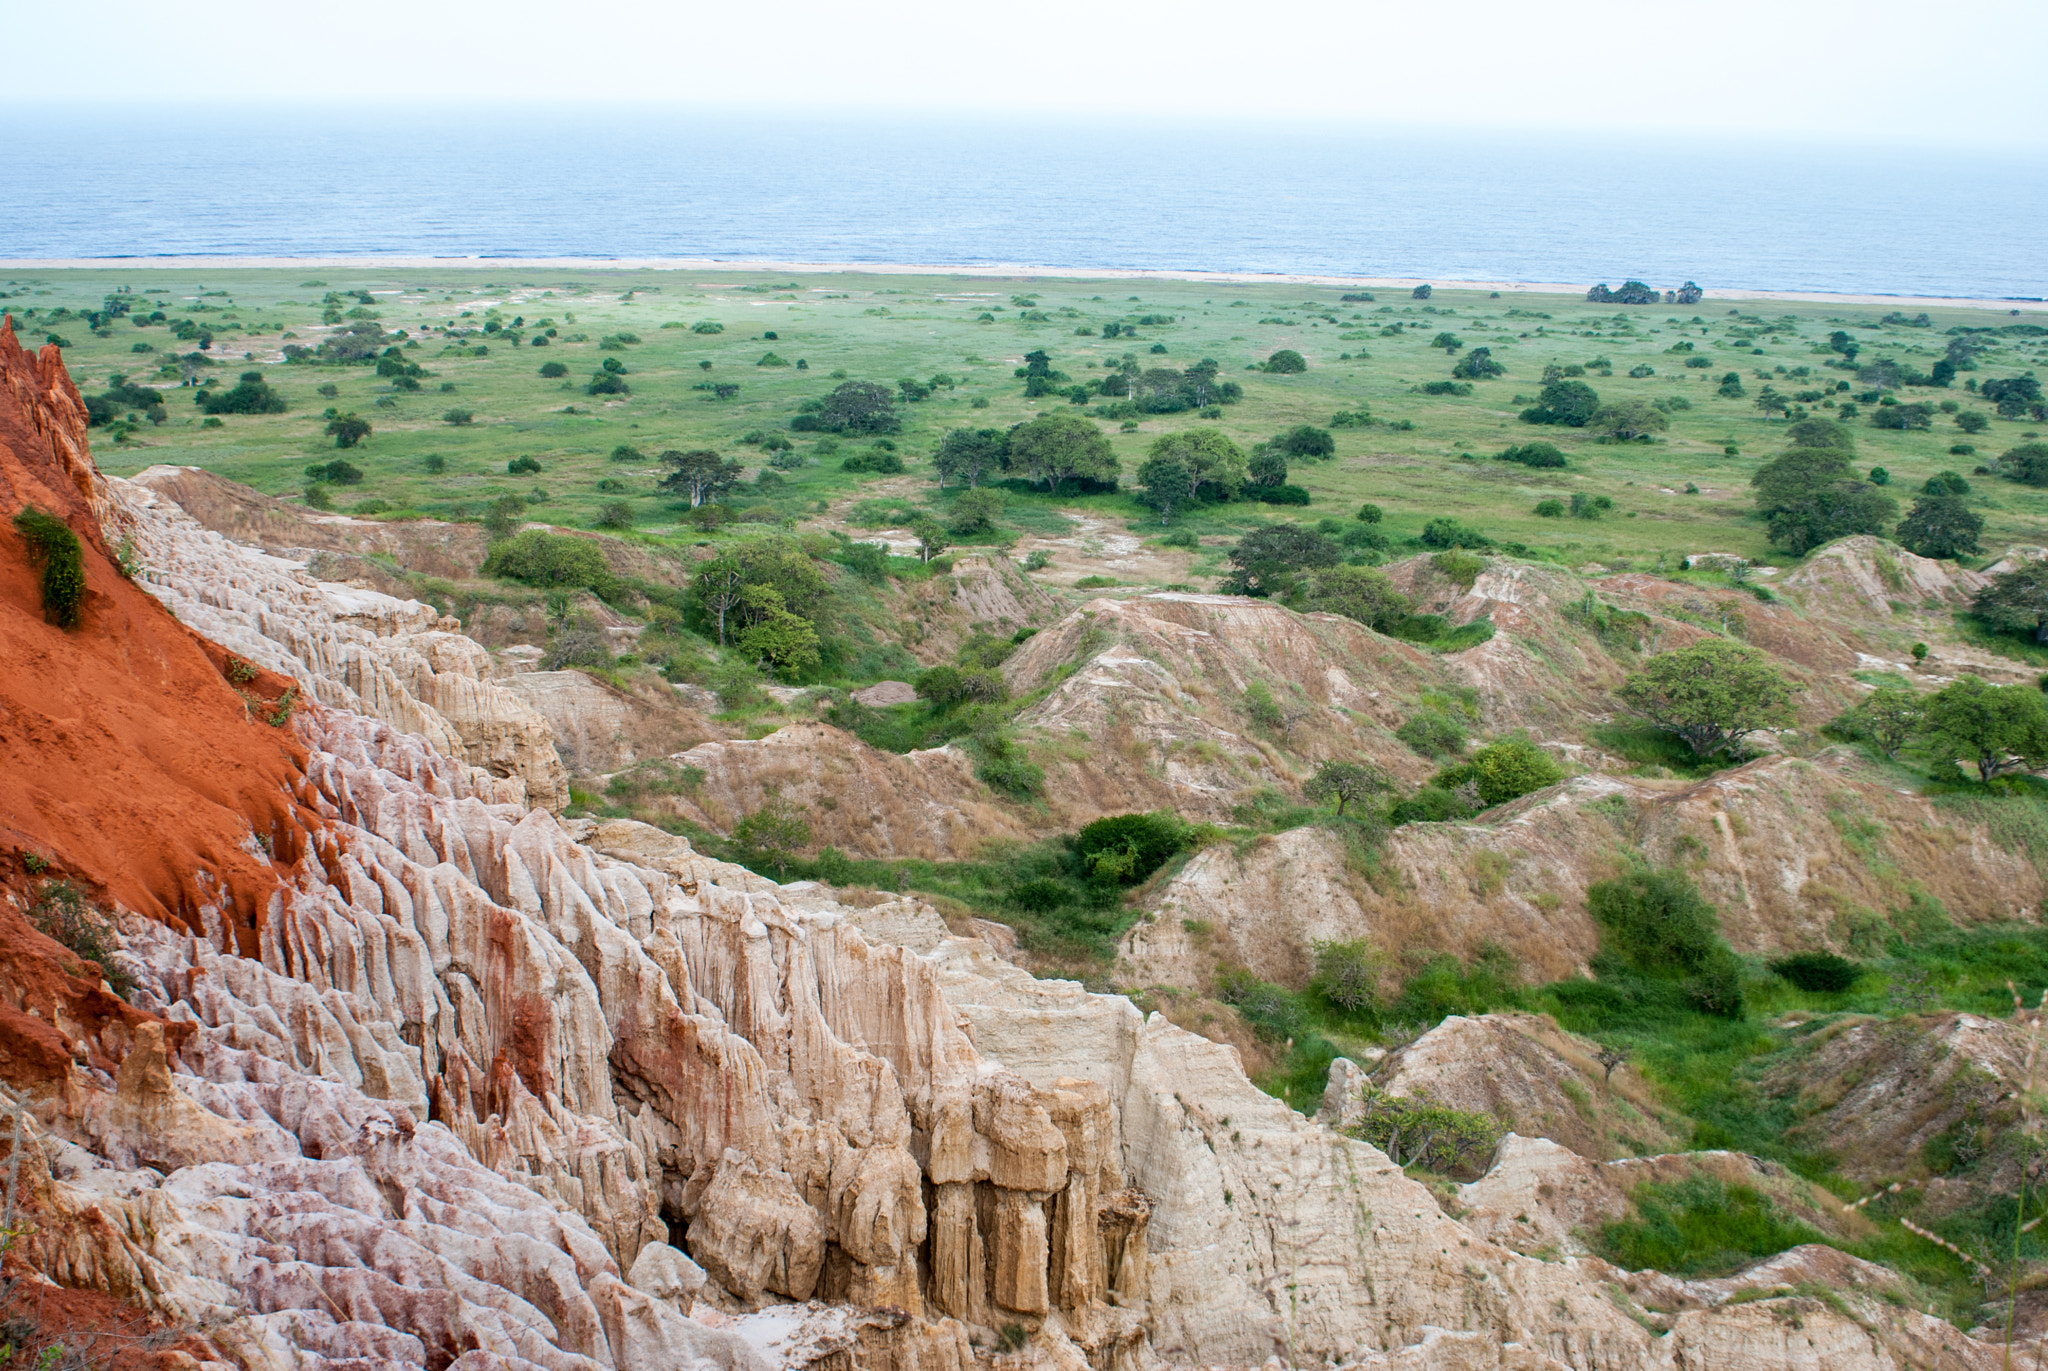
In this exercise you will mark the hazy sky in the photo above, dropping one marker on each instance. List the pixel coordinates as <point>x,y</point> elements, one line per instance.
<point>1966,72</point>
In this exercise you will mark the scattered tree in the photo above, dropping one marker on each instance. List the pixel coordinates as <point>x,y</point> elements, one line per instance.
<point>1417,1129</point>
<point>931,537</point>
<point>552,561</point>
<point>853,407</point>
<point>1810,496</point>
<point>1810,433</point>
<point>1286,362</point>
<point>1627,420</point>
<point>1712,694</point>
<point>347,430</point>
<point>2017,601</point>
<point>1994,728</point>
<point>1940,526</point>
<point>1572,403</point>
<point>1888,717</point>
<point>1511,768</point>
<point>1345,782</point>
<point>1348,974</point>
<point>777,832</point>
<point>1304,442</point>
<point>1268,558</point>
<point>1061,447</point>
<point>776,637</point>
<point>969,456</point>
<point>250,395</point>
<point>975,512</point>
<point>699,475</point>
<point>1267,468</point>
<point>1216,466</point>
<point>1359,593</point>
<point>1167,483</point>
<point>1478,365</point>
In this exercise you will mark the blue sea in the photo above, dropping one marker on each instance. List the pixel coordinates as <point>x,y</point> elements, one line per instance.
<point>527,181</point>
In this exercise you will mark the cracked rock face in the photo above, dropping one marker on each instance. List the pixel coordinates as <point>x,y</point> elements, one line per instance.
<point>426,1077</point>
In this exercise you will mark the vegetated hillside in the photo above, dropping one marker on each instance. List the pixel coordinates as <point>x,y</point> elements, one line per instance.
<point>862,800</point>
<point>478,1088</point>
<point>1794,853</point>
<point>1194,702</point>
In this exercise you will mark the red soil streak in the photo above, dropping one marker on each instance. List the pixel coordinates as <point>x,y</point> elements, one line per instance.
<point>127,759</point>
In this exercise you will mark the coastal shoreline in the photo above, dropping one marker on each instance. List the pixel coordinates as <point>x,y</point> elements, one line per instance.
<point>1000,271</point>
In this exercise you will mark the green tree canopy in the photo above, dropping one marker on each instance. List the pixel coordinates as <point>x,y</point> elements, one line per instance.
<point>1359,593</point>
<point>2027,464</point>
<point>1940,526</point>
<point>1304,442</point>
<point>250,395</point>
<point>1167,483</point>
<point>1061,447</point>
<point>1511,768</point>
<point>975,512</point>
<point>1345,782</point>
<point>1712,694</point>
<point>720,585</point>
<point>699,475</point>
<point>1267,467</point>
<point>1572,403</point>
<point>1627,420</point>
<point>1268,558</point>
<point>1286,362</point>
<point>932,538</point>
<point>1820,433</point>
<point>969,456</point>
<point>2017,601</point>
<point>1478,365</point>
<point>777,832</point>
<point>854,407</point>
<point>1810,496</point>
<point>1656,924</point>
<point>555,561</point>
<point>1216,466</point>
<point>347,430</point>
<point>775,637</point>
<point>1994,728</point>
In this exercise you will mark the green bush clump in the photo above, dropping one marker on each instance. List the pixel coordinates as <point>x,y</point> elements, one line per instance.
<point>55,549</point>
<point>1500,772</point>
<point>1820,972</point>
<point>1656,926</point>
<point>1124,849</point>
<point>1432,733</point>
<point>552,560</point>
<point>250,395</point>
<point>1419,1130</point>
<point>1537,454</point>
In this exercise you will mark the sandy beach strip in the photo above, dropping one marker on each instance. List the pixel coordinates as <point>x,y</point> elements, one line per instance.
<point>1002,271</point>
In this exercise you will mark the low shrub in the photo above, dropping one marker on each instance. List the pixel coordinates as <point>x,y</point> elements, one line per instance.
<point>60,558</point>
<point>1820,972</point>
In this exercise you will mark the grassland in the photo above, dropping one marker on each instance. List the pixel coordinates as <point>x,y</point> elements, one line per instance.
<point>976,331</point>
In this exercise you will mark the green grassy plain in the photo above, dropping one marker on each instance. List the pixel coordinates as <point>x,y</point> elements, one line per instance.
<point>884,328</point>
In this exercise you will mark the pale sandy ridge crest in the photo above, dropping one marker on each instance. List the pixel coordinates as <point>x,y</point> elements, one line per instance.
<point>1002,271</point>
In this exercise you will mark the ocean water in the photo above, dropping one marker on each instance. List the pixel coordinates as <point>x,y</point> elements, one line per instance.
<point>520,181</point>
